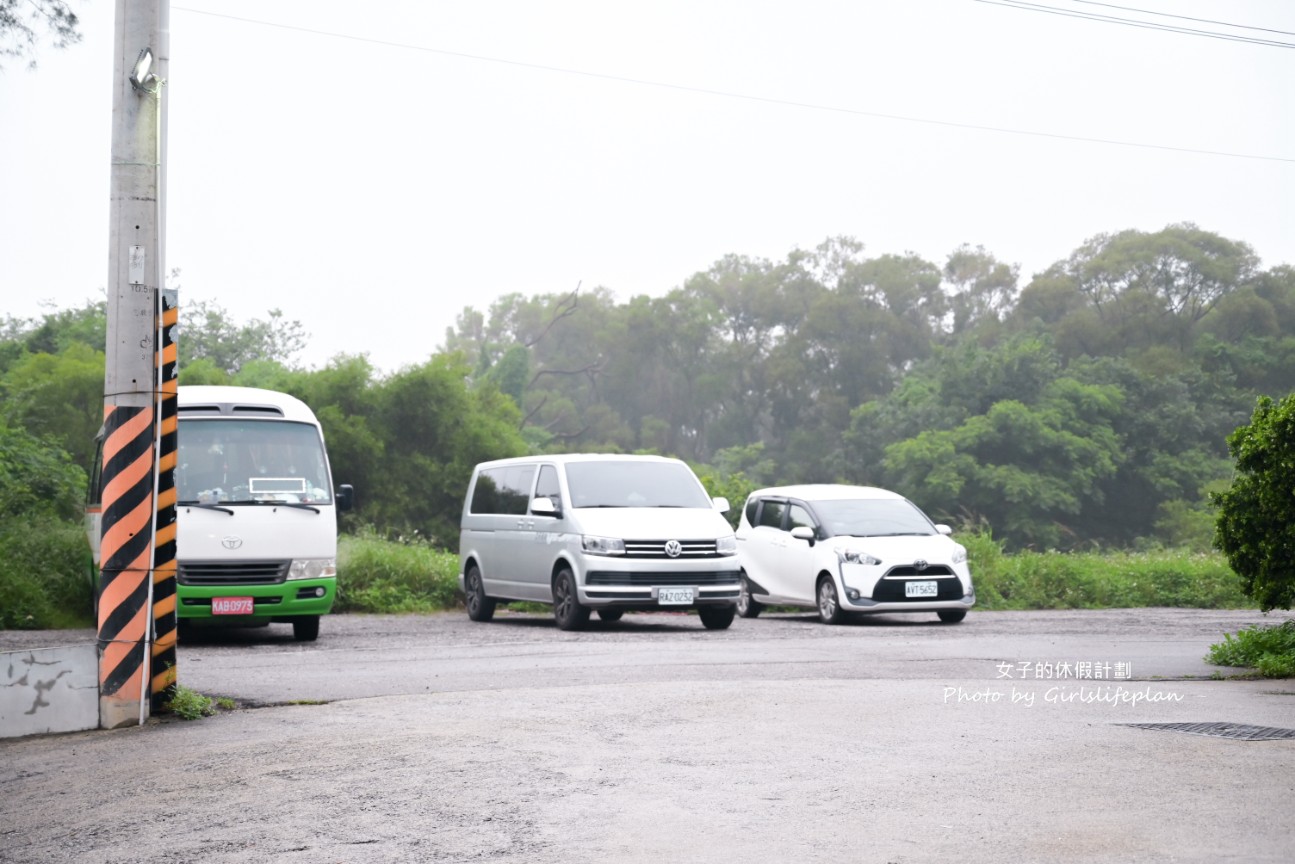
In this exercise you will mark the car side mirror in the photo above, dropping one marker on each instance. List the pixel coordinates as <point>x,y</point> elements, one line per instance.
<point>944,529</point>
<point>544,506</point>
<point>720,504</point>
<point>803,532</point>
<point>345,497</point>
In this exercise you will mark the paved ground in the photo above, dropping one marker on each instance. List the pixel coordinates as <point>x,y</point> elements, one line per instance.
<point>777,740</point>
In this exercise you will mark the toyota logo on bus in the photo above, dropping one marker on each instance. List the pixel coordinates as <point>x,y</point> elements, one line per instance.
<point>673,548</point>
<point>231,542</point>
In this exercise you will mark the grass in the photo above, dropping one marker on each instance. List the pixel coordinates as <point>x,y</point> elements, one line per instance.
<point>1269,650</point>
<point>377,575</point>
<point>1105,580</point>
<point>190,704</point>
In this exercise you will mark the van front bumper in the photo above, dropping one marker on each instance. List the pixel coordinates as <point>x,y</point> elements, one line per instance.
<point>641,589</point>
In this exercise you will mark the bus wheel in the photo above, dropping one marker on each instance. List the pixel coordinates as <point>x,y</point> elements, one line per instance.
<point>305,628</point>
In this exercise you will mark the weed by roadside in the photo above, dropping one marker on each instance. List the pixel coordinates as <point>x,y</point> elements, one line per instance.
<point>1270,650</point>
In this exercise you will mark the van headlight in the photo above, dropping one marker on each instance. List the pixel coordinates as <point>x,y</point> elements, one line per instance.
<point>312,568</point>
<point>602,545</point>
<point>855,556</point>
<point>726,545</point>
<point>959,554</point>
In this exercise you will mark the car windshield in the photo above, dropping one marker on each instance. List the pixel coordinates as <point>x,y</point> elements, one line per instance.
<point>243,461</point>
<point>616,483</point>
<point>876,517</point>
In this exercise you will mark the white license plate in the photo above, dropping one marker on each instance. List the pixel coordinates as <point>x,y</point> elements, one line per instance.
<point>921,589</point>
<point>231,605</point>
<point>675,596</point>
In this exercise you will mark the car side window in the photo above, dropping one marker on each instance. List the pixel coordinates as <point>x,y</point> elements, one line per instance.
<point>752,507</point>
<point>547,486</point>
<point>771,514</point>
<point>798,517</point>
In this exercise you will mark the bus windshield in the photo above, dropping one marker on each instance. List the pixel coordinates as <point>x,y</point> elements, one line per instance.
<point>241,461</point>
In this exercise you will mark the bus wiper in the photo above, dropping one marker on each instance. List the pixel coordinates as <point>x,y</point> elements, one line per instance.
<point>297,504</point>
<point>199,504</point>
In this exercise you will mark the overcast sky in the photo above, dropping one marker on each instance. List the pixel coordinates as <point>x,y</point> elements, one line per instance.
<point>372,168</point>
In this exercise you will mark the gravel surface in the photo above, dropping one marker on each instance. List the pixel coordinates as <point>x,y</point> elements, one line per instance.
<point>430,738</point>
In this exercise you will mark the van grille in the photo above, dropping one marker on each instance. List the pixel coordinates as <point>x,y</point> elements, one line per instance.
<point>235,573</point>
<point>656,549</point>
<point>612,577</point>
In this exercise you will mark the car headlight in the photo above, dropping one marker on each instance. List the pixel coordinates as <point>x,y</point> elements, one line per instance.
<point>726,545</point>
<point>959,554</point>
<point>602,545</point>
<point>312,568</point>
<point>854,556</point>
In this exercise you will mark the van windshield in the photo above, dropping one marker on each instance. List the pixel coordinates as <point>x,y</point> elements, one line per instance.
<point>617,483</point>
<point>243,461</point>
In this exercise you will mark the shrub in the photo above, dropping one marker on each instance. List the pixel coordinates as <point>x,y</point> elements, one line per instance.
<point>403,575</point>
<point>1270,650</point>
<point>45,580</point>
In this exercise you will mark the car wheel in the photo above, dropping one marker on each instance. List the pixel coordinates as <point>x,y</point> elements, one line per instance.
<point>305,628</point>
<point>952,616</point>
<point>567,610</point>
<point>748,606</point>
<point>716,617</point>
<point>480,607</point>
<point>829,607</point>
<point>611,614</point>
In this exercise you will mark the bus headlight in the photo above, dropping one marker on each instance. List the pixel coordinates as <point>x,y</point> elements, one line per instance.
<point>312,568</point>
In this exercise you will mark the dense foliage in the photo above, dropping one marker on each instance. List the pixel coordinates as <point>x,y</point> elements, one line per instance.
<point>1086,409</point>
<point>1256,524</point>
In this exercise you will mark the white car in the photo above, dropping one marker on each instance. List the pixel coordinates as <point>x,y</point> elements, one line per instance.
<point>848,549</point>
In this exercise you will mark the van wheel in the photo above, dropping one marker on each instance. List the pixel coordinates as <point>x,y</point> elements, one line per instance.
<point>952,616</point>
<point>611,614</point>
<point>480,607</point>
<point>748,606</point>
<point>305,628</point>
<point>716,617</point>
<point>829,607</point>
<point>567,610</point>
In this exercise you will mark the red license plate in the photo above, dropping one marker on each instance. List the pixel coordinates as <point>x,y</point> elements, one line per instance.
<point>231,605</point>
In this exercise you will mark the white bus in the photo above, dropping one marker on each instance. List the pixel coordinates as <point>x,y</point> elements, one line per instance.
<point>256,512</point>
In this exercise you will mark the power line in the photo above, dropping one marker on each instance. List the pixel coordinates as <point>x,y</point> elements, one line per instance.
<point>1133,22</point>
<point>1184,17</point>
<point>602,76</point>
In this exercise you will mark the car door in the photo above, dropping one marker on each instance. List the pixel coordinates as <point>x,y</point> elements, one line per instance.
<point>765,550</point>
<point>797,559</point>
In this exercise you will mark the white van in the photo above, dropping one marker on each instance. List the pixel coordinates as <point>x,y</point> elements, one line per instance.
<point>601,532</point>
<point>256,511</point>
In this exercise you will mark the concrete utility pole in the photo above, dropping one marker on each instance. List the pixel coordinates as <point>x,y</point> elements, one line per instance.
<point>132,384</point>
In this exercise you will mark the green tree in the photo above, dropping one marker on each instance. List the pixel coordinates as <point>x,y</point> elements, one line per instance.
<point>208,333</point>
<point>37,478</point>
<point>1256,516</point>
<point>58,397</point>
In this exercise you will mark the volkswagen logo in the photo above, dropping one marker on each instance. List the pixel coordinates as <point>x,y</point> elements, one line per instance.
<point>231,542</point>
<point>673,548</point>
<point>920,565</point>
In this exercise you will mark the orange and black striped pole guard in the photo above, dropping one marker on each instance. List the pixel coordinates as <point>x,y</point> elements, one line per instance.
<point>163,668</point>
<point>125,555</point>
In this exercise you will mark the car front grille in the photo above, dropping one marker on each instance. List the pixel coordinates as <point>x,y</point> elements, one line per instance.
<point>656,549</point>
<point>908,571</point>
<point>232,573</point>
<point>612,577</point>
<point>892,590</point>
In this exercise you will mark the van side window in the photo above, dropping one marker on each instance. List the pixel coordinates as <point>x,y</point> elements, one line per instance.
<point>547,486</point>
<point>504,491</point>
<point>771,514</point>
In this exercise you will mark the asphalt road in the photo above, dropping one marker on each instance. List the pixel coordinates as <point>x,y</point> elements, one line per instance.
<point>431,738</point>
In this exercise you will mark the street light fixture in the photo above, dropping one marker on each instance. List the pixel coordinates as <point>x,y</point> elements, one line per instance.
<point>141,78</point>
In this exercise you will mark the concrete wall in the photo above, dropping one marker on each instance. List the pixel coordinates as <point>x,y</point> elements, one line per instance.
<point>44,690</point>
